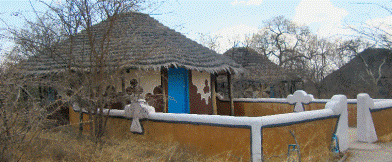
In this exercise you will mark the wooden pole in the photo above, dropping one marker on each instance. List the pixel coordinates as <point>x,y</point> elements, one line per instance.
<point>122,83</point>
<point>80,122</point>
<point>164,88</point>
<point>229,80</point>
<point>213,95</point>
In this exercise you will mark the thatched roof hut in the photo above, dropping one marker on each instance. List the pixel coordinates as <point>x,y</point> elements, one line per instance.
<point>137,41</point>
<point>262,77</point>
<point>352,78</point>
<point>258,66</point>
<point>134,43</point>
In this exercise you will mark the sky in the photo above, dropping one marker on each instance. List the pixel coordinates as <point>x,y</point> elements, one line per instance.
<point>232,20</point>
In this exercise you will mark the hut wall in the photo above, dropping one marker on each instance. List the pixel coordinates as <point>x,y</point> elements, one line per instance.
<point>148,80</point>
<point>200,100</point>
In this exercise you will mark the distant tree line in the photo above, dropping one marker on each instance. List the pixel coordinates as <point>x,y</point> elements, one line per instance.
<point>308,56</point>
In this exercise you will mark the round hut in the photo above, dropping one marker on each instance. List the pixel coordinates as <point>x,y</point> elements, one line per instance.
<point>135,56</point>
<point>262,79</point>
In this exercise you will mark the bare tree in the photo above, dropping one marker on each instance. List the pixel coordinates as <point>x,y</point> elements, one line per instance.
<point>300,52</point>
<point>59,31</point>
<point>295,49</point>
<point>281,40</point>
<point>318,52</point>
<point>209,41</point>
<point>21,113</point>
<point>374,72</point>
<point>377,33</point>
<point>372,35</point>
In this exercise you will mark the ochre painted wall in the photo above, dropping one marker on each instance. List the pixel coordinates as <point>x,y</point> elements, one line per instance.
<point>242,108</point>
<point>208,140</point>
<point>313,137</point>
<point>314,106</point>
<point>383,124</point>
<point>205,139</point>
<point>223,108</point>
<point>252,109</point>
<point>263,109</point>
<point>352,115</point>
<point>74,119</point>
<point>351,108</point>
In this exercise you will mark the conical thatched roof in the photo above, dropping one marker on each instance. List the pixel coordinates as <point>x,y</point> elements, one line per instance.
<point>258,67</point>
<point>137,41</point>
<point>352,78</point>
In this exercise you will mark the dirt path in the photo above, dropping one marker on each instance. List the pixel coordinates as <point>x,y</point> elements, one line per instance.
<point>359,151</point>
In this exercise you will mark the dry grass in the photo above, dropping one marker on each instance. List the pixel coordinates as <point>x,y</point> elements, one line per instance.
<point>385,138</point>
<point>307,151</point>
<point>63,144</point>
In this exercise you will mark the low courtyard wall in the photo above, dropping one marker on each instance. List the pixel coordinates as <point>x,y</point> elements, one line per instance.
<point>243,138</point>
<point>254,107</point>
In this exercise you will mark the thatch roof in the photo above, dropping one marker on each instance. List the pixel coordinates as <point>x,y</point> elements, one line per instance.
<point>137,41</point>
<point>352,78</point>
<point>258,67</point>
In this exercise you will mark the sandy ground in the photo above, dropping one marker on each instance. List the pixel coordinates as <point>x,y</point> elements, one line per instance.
<point>368,152</point>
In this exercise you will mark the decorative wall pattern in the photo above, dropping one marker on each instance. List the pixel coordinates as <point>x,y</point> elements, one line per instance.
<point>138,84</point>
<point>202,81</point>
<point>156,99</point>
<point>147,80</point>
<point>200,93</point>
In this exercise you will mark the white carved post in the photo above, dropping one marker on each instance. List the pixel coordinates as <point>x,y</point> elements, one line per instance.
<point>365,126</point>
<point>338,105</point>
<point>137,111</point>
<point>342,129</point>
<point>299,97</point>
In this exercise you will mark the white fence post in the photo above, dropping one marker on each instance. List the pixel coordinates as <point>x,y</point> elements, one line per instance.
<point>365,126</point>
<point>299,98</point>
<point>136,111</point>
<point>338,104</point>
<point>256,143</point>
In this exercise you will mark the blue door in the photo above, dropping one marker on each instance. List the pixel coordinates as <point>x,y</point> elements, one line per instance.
<point>178,92</point>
